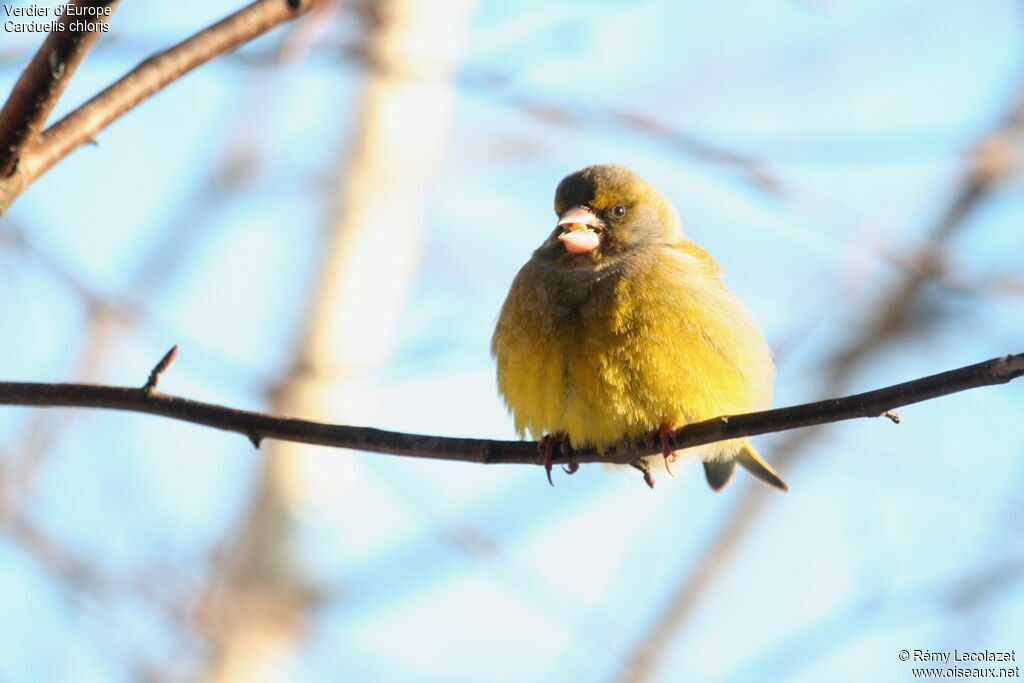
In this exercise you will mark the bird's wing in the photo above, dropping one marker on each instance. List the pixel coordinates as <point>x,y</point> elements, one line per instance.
<point>690,251</point>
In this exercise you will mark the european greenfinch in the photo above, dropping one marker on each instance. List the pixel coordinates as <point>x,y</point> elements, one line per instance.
<point>619,326</point>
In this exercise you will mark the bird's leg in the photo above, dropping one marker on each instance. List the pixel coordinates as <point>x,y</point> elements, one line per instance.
<point>665,431</point>
<point>546,448</point>
<point>642,465</point>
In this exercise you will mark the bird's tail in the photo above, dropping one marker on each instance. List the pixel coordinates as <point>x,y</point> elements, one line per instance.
<point>719,474</point>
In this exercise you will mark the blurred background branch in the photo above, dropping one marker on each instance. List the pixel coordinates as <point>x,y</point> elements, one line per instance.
<point>31,158</point>
<point>41,83</point>
<point>256,608</point>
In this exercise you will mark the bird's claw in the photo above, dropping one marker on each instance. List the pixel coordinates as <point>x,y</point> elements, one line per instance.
<point>665,431</point>
<point>572,465</point>
<point>645,469</point>
<point>546,447</point>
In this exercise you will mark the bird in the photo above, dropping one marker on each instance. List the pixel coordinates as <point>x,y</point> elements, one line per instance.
<point>619,327</point>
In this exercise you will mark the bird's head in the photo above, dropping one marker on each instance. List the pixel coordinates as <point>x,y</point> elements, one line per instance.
<point>608,211</point>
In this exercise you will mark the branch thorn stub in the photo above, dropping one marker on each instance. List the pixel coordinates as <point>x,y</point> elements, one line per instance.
<point>154,376</point>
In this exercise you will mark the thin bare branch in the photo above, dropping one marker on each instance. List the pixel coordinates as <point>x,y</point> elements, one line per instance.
<point>980,178</point>
<point>257,426</point>
<point>149,77</point>
<point>41,83</point>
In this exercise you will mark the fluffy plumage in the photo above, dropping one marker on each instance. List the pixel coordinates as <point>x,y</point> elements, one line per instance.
<point>619,325</point>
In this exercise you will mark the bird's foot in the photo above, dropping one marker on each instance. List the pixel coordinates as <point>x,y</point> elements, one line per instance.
<point>665,432</point>
<point>572,465</point>
<point>546,448</point>
<point>645,469</point>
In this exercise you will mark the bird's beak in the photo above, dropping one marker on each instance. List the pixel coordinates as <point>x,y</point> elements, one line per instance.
<point>582,230</point>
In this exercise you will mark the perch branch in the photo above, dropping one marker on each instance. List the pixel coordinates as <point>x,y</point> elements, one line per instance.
<point>258,426</point>
<point>149,77</point>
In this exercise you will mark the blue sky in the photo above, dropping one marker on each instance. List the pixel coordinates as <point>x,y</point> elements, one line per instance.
<point>892,537</point>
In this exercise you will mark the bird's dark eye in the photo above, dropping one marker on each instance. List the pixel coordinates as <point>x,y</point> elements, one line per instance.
<point>619,211</point>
